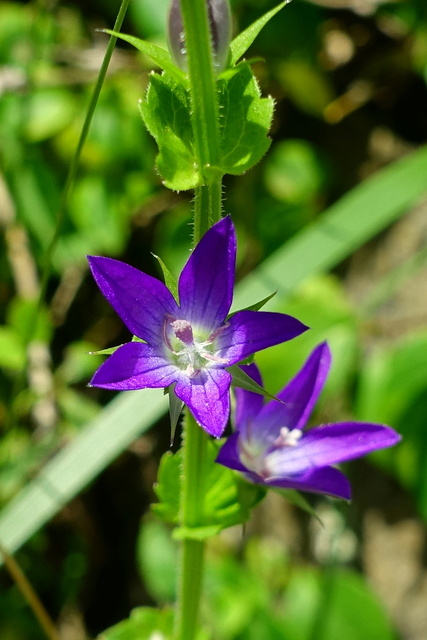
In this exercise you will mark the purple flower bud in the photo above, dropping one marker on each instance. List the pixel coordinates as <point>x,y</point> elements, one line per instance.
<point>220,27</point>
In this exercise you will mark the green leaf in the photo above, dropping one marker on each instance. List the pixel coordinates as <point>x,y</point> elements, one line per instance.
<point>105,352</point>
<point>296,498</point>
<point>168,480</point>
<point>243,41</point>
<point>12,352</point>
<point>254,307</point>
<point>159,56</point>
<point>331,604</point>
<point>166,113</point>
<point>227,503</point>
<point>245,120</point>
<point>157,556</point>
<point>243,381</point>
<point>170,280</point>
<point>145,623</point>
<point>175,410</point>
<point>22,316</point>
<point>244,125</point>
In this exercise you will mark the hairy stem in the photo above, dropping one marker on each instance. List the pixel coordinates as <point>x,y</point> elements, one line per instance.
<point>192,551</point>
<point>204,101</point>
<point>207,208</point>
<point>207,211</point>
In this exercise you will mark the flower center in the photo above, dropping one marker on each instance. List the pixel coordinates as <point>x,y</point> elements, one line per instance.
<point>190,353</point>
<point>261,460</point>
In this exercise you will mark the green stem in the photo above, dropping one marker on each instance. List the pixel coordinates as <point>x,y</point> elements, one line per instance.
<point>207,211</point>
<point>204,102</point>
<point>192,551</point>
<point>207,208</point>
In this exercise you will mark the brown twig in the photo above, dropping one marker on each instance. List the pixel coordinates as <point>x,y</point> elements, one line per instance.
<point>30,595</point>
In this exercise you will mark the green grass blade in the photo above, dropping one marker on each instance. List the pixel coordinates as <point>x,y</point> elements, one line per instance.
<point>344,227</point>
<point>126,417</point>
<point>350,222</point>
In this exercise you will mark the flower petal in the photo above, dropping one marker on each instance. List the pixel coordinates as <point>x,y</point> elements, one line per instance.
<point>207,280</point>
<point>298,397</point>
<point>330,444</point>
<point>325,480</point>
<point>140,300</point>
<point>229,455</point>
<point>248,404</point>
<point>207,396</point>
<point>135,365</point>
<point>249,331</point>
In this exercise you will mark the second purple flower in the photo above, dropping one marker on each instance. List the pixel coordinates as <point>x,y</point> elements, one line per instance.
<point>190,343</point>
<point>272,446</point>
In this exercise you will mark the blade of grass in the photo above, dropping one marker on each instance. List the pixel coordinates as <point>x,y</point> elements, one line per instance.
<point>350,222</point>
<point>358,216</point>
<point>72,172</point>
<point>69,182</point>
<point>126,417</point>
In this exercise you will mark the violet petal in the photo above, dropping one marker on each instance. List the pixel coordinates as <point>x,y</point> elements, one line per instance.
<point>249,331</point>
<point>206,282</point>
<point>229,454</point>
<point>248,403</point>
<point>207,396</point>
<point>298,397</point>
<point>135,365</point>
<point>140,300</point>
<point>325,480</point>
<point>330,444</point>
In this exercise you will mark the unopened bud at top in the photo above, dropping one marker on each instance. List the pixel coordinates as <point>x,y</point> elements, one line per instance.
<point>220,27</point>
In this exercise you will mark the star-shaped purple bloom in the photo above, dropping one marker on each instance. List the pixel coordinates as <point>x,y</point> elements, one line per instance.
<point>189,343</point>
<point>272,447</point>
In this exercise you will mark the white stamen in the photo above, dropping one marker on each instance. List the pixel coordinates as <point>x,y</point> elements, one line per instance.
<point>288,438</point>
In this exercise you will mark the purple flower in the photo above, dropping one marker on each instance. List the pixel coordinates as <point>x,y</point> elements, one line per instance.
<point>189,343</point>
<point>272,447</point>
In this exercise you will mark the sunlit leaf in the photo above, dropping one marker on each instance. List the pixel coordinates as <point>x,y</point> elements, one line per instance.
<point>245,120</point>
<point>298,500</point>
<point>12,352</point>
<point>256,306</point>
<point>105,352</point>
<point>170,281</point>
<point>144,624</point>
<point>243,41</point>
<point>175,410</point>
<point>348,607</point>
<point>166,113</point>
<point>243,381</point>
<point>159,56</point>
<point>157,559</point>
<point>226,504</point>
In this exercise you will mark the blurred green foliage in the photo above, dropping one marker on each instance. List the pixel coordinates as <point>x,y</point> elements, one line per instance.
<point>349,83</point>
